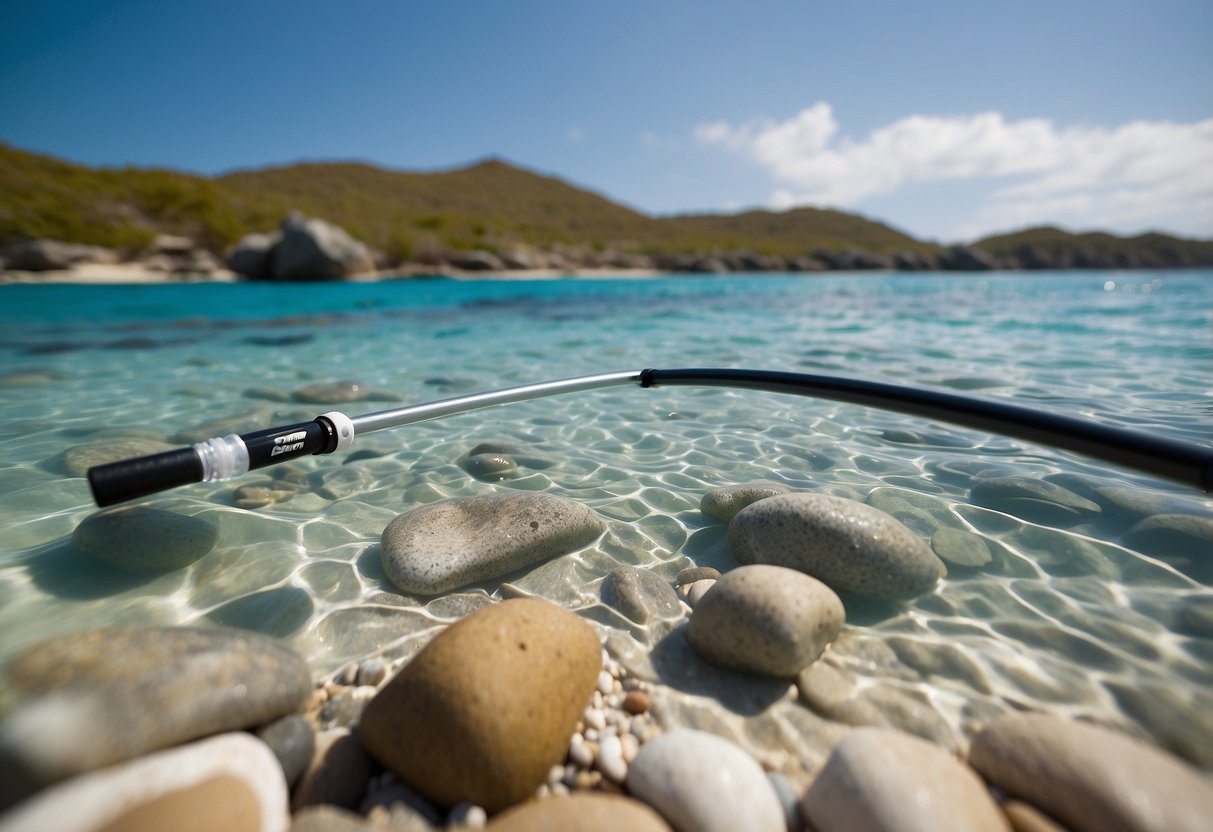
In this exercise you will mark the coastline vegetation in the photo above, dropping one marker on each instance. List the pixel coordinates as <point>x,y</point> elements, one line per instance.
<point>489,206</point>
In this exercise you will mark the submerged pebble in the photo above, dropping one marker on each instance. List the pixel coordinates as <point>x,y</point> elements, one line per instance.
<point>724,503</point>
<point>849,546</point>
<point>452,543</point>
<point>145,539</point>
<point>333,392</point>
<point>768,620</point>
<point>1032,499</point>
<point>640,594</point>
<point>486,709</point>
<point>490,466</point>
<point>961,548</point>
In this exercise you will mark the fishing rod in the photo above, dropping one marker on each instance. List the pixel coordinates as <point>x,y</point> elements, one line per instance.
<point>227,457</point>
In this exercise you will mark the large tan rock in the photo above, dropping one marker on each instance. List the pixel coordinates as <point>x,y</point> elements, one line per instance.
<point>583,811</point>
<point>487,708</point>
<point>882,780</point>
<point>1090,777</point>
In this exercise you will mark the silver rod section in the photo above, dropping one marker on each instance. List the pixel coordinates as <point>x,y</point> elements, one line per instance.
<point>461,404</point>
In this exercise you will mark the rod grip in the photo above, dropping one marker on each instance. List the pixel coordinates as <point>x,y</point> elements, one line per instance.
<point>127,479</point>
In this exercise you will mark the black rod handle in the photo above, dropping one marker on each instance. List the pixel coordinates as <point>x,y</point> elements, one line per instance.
<point>127,479</point>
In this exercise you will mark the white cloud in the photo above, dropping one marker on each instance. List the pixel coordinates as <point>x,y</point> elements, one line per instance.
<point>1141,174</point>
<point>575,134</point>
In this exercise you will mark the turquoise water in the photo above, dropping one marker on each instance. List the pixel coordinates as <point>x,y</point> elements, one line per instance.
<point>1079,610</point>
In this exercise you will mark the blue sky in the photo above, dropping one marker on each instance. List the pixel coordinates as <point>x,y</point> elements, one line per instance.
<point>946,119</point>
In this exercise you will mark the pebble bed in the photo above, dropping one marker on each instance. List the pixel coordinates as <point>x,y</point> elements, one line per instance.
<point>1039,583</point>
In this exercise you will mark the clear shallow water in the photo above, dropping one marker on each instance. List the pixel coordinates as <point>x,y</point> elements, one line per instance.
<point>1076,612</point>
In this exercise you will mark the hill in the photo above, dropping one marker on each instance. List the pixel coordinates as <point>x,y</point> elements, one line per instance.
<point>493,206</point>
<point>1048,247</point>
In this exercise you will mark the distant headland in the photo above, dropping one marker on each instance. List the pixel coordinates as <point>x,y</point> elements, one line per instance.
<point>63,220</point>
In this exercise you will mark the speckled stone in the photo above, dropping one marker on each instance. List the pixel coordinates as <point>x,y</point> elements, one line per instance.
<point>145,539</point>
<point>486,709</point>
<point>230,782</point>
<point>449,544</point>
<point>96,697</point>
<point>700,782</point>
<point>768,620</point>
<point>640,594</point>
<point>77,460</point>
<point>1089,777</point>
<point>849,546</point>
<point>724,503</point>
<point>583,811</point>
<point>333,392</point>
<point>887,781</point>
<point>961,548</point>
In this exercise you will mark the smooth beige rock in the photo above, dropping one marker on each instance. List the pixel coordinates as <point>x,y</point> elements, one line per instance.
<point>882,780</point>
<point>849,546</point>
<point>1089,777</point>
<point>231,782</point>
<point>485,710</point>
<point>703,783</point>
<point>445,545</point>
<point>583,811</point>
<point>765,619</point>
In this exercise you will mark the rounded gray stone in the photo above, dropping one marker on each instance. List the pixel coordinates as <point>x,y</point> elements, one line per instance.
<point>767,620</point>
<point>849,546</point>
<point>145,539</point>
<point>452,543</point>
<point>490,466</point>
<point>724,503</point>
<point>333,392</point>
<point>293,743</point>
<point>640,594</point>
<point>961,548</point>
<point>1033,499</point>
<point>1173,534</point>
<point>96,697</point>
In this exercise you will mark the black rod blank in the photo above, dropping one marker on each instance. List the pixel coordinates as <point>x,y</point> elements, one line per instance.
<point>1171,459</point>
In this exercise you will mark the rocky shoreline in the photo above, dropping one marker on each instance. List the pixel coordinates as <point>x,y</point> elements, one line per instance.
<point>308,249</point>
<point>520,715</point>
